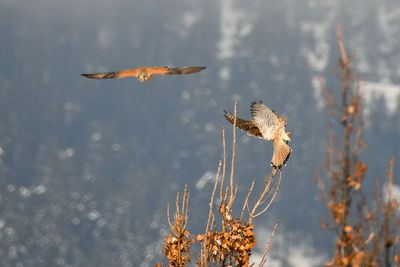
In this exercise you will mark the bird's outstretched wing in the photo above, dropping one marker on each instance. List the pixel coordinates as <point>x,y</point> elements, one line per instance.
<point>184,70</point>
<point>102,75</point>
<point>265,119</point>
<point>248,126</point>
<point>149,71</point>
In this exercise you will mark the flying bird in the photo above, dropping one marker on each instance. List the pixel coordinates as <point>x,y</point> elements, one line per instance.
<point>144,73</point>
<point>265,124</point>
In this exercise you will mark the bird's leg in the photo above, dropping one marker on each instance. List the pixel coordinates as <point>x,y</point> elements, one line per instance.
<point>272,165</point>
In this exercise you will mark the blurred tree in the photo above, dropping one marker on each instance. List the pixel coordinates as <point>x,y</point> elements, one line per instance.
<point>367,232</point>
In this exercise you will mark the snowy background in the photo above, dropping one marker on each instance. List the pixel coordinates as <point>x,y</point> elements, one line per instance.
<point>87,167</point>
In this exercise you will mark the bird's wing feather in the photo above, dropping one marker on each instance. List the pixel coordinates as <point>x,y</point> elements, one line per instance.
<point>184,70</point>
<point>265,119</point>
<point>102,75</point>
<point>249,127</point>
<point>113,75</point>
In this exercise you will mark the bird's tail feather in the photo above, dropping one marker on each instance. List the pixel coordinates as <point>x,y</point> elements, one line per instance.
<point>281,154</point>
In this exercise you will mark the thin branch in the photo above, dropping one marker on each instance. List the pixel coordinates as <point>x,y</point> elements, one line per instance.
<point>275,190</point>
<point>247,198</point>
<point>262,198</point>
<point>210,213</point>
<point>341,45</point>
<point>264,257</point>
<point>389,173</point>
<point>212,196</point>
<point>231,198</point>
<point>185,211</point>
<point>224,165</point>
<point>177,205</point>
<point>329,99</point>
<point>169,220</point>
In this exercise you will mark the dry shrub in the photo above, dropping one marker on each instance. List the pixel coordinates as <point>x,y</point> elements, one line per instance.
<point>230,240</point>
<point>367,230</point>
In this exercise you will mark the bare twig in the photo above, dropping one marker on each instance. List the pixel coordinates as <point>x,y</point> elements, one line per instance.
<point>224,164</point>
<point>341,45</point>
<point>204,251</point>
<point>232,196</point>
<point>265,195</point>
<point>185,207</point>
<point>264,257</point>
<point>275,190</point>
<point>247,198</point>
<point>389,173</point>
<point>169,220</point>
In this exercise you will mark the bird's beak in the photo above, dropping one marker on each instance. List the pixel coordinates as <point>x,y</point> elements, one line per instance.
<point>288,134</point>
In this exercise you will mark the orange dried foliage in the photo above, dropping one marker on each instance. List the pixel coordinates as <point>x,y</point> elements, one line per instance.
<point>397,258</point>
<point>346,261</point>
<point>355,179</point>
<point>348,228</point>
<point>358,259</point>
<point>337,210</point>
<point>235,243</point>
<point>351,109</point>
<point>177,249</point>
<point>361,169</point>
<point>178,243</point>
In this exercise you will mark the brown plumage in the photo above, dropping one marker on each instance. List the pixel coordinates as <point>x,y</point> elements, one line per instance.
<point>144,73</point>
<point>265,124</point>
<point>246,126</point>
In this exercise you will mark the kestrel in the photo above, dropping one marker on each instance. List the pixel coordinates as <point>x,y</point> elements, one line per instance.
<point>144,73</point>
<point>265,124</point>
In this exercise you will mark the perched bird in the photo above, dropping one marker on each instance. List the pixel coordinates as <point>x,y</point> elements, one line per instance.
<point>144,73</point>
<point>265,124</point>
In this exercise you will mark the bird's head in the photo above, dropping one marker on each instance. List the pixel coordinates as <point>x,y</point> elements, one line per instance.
<point>282,120</point>
<point>143,77</point>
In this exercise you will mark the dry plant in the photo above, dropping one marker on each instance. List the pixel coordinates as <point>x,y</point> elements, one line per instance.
<point>230,240</point>
<point>177,245</point>
<point>365,236</point>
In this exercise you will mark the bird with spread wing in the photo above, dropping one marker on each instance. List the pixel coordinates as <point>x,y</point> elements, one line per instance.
<point>144,73</point>
<point>265,124</point>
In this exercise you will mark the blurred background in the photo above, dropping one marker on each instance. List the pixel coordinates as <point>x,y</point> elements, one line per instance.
<point>87,167</point>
